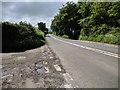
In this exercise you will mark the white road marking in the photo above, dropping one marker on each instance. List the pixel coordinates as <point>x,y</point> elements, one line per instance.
<point>57,67</point>
<point>92,49</point>
<point>100,43</point>
<point>67,78</point>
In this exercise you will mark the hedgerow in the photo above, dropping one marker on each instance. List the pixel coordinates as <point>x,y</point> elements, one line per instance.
<point>19,37</point>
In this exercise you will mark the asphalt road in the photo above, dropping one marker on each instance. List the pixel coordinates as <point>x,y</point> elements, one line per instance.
<point>89,64</point>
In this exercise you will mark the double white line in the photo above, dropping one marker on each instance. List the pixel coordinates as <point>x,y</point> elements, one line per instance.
<point>92,49</point>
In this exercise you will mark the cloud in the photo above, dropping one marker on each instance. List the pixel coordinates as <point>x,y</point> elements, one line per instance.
<point>38,0</point>
<point>32,12</point>
<point>41,9</point>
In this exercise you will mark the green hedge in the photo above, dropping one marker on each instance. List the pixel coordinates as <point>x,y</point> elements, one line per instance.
<point>107,38</point>
<point>102,33</point>
<point>64,36</point>
<point>22,36</point>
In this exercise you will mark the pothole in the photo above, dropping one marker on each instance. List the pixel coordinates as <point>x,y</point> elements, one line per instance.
<point>39,65</point>
<point>41,71</point>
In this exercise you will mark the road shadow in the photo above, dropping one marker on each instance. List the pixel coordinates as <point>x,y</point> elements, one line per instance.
<point>18,50</point>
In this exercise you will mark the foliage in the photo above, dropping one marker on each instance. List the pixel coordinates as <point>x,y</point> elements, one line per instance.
<point>107,38</point>
<point>99,38</point>
<point>22,36</point>
<point>110,38</point>
<point>42,27</point>
<point>64,36</point>
<point>93,21</point>
<point>66,21</point>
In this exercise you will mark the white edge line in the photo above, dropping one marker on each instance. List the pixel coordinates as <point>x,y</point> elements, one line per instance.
<point>92,49</point>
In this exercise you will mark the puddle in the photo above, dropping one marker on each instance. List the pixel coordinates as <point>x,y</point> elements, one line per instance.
<point>51,57</point>
<point>39,65</point>
<point>41,71</point>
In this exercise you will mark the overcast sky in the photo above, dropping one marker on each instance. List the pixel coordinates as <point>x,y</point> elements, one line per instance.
<point>32,12</point>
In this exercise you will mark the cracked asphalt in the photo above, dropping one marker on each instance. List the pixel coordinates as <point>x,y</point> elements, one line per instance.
<point>33,68</point>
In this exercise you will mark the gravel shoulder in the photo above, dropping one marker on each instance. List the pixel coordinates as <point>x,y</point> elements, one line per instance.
<point>36,68</point>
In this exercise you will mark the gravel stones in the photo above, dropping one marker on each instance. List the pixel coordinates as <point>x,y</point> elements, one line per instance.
<point>35,67</point>
<point>39,65</point>
<point>41,71</point>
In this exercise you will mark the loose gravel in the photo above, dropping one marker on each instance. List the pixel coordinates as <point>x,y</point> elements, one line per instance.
<point>32,69</point>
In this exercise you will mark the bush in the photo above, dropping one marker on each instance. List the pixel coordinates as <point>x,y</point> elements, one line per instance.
<point>65,36</point>
<point>83,37</point>
<point>99,38</point>
<point>29,44</point>
<point>110,38</point>
<point>54,33</point>
<point>90,38</point>
<point>22,36</point>
<point>103,33</point>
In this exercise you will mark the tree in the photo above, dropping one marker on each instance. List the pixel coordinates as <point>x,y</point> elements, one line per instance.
<point>42,27</point>
<point>66,22</point>
<point>88,19</point>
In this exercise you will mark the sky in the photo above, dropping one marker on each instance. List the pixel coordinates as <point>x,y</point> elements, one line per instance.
<point>32,12</point>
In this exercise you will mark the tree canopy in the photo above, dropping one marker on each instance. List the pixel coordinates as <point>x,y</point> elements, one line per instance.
<point>42,27</point>
<point>88,21</point>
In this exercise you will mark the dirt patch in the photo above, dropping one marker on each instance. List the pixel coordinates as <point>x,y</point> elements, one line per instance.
<point>32,69</point>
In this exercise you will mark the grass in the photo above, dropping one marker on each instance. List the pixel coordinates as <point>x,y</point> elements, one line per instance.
<point>108,38</point>
<point>64,36</point>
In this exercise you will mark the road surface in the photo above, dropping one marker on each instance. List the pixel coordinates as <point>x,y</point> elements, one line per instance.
<point>88,64</point>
